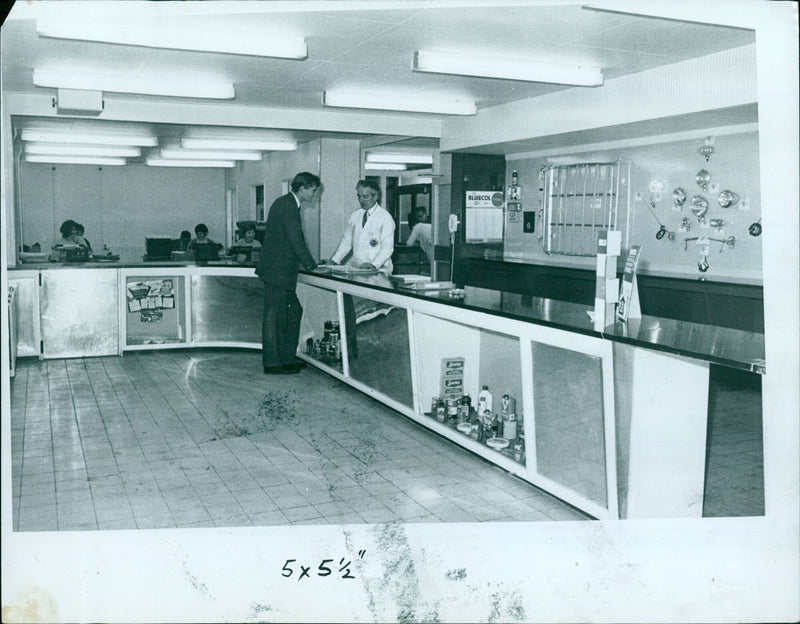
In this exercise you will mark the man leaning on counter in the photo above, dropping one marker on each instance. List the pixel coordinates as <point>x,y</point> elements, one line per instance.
<point>284,248</point>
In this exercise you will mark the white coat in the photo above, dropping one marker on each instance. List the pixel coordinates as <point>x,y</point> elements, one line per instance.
<point>374,243</point>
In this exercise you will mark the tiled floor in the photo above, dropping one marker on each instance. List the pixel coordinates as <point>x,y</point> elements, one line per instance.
<point>202,438</point>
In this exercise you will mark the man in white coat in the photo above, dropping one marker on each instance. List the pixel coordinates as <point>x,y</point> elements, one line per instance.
<point>369,233</point>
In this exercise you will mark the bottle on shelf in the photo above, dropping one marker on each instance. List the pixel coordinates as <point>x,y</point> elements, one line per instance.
<point>484,400</point>
<point>510,427</point>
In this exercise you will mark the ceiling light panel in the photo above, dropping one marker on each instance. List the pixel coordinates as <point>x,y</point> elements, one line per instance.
<point>176,35</point>
<point>385,157</point>
<point>238,144</point>
<point>507,68</point>
<point>66,149</point>
<point>74,160</point>
<point>398,102</point>
<point>189,154</point>
<point>174,162</point>
<point>54,136</point>
<point>385,166</point>
<point>128,83</point>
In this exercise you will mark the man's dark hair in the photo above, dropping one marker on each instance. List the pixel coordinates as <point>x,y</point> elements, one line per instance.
<point>304,179</point>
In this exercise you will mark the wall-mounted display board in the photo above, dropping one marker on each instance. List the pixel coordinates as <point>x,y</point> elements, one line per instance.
<point>581,200</point>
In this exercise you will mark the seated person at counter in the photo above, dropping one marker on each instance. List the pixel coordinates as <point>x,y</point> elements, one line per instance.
<point>67,230</point>
<point>210,249</point>
<point>422,234</point>
<point>79,238</point>
<point>245,246</point>
<point>69,238</point>
<point>200,237</point>
<point>183,241</point>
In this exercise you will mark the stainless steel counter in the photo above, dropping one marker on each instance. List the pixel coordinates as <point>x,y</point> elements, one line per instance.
<point>723,346</point>
<point>719,345</point>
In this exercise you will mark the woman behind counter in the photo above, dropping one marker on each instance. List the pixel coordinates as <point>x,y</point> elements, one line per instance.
<point>79,238</point>
<point>69,238</point>
<point>201,237</point>
<point>247,249</point>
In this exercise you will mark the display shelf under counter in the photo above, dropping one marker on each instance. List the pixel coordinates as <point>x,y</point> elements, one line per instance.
<point>614,422</point>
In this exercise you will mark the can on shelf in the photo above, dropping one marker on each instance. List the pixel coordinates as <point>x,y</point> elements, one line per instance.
<point>452,408</point>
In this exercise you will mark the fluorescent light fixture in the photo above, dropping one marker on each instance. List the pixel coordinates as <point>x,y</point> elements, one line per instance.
<point>238,144</point>
<point>507,68</point>
<point>415,159</point>
<point>249,39</point>
<point>385,166</point>
<point>188,154</point>
<point>129,83</point>
<point>174,162</point>
<point>65,149</point>
<point>398,102</point>
<point>64,136</point>
<point>74,160</point>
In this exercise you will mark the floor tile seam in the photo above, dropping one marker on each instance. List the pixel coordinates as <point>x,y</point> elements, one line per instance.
<point>180,389</point>
<point>130,422</point>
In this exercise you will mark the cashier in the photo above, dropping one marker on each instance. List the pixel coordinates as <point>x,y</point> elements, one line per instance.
<point>68,232</point>
<point>80,239</point>
<point>369,234</point>
<point>249,239</point>
<point>200,237</point>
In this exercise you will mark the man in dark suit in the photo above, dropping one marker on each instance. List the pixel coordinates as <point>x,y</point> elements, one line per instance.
<point>284,248</point>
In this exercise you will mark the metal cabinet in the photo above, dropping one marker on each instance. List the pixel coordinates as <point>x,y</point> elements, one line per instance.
<point>79,312</point>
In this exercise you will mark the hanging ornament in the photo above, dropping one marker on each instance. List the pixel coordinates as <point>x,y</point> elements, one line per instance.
<point>702,178</point>
<point>678,198</point>
<point>699,206</point>
<point>727,199</point>
<point>706,151</point>
<point>755,228</point>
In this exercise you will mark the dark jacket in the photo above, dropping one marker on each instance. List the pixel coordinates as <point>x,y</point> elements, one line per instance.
<point>284,246</point>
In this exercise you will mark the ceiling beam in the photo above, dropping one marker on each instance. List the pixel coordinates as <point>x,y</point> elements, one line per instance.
<point>191,113</point>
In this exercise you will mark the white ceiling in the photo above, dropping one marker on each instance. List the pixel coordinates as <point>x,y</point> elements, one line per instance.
<point>368,48</point>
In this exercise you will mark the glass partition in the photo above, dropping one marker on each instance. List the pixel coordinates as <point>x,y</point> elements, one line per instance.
<point>469,380</point>
<point>226,308</point>
<point>377,347</point>
<point>568,418</point>
<point>320,326</point>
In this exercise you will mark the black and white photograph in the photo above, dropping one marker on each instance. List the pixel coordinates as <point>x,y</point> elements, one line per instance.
<point>400,311</point>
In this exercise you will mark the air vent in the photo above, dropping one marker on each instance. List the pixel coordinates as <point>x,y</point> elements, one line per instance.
<point>78,102</point>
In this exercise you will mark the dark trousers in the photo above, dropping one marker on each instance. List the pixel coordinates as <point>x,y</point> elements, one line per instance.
<point>280,326</point>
